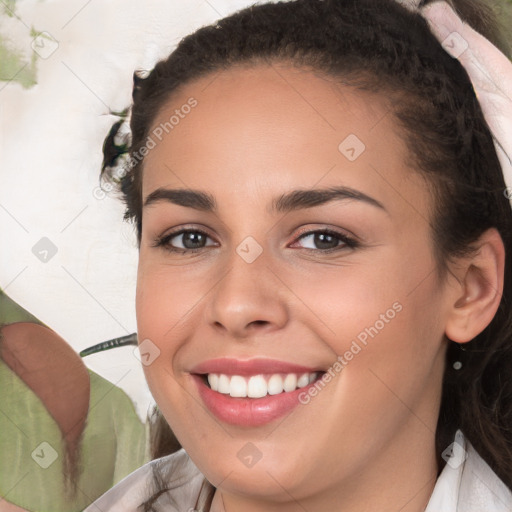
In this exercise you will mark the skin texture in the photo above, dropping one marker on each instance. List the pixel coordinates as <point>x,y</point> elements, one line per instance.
<point>257,133</point>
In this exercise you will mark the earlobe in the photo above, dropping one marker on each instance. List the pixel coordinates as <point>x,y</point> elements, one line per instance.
<point>478,294</point>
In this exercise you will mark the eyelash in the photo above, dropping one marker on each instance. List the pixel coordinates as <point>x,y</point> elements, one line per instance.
<point>347,241</point>
<point>164,241</point>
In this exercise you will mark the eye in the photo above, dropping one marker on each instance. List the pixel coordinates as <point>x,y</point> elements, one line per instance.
<point>193,240</point>
<point>327,240</point>
<point>185,240</point>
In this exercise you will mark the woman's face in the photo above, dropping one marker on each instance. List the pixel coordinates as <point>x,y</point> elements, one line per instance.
<point>269,294</point>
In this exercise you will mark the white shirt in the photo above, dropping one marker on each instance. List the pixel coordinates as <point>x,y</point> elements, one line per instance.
<point>466,484</point>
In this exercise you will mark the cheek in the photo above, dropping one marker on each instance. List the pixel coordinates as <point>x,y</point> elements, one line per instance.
<point>391,356</point>
<point>383,318</point>
<point>159,309</point>
<point>169,302</point>
<point>355,302</point>
<point>165,300</point>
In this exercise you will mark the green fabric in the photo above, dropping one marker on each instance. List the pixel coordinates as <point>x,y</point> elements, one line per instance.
<point>114,444</point>
<point>11,312</point>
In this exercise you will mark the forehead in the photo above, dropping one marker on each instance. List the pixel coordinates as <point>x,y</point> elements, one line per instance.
<point>278,125</point>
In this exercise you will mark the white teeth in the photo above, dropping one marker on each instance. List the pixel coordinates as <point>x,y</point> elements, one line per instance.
<point>275,385</point>
<point>290,382</point>
<point>213,380</point>
<point>303,380</point>
<point>238,386</point>
<point>223,384</point>
<point>258,386</point>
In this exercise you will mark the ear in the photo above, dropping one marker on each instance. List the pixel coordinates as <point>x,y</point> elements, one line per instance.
<point>476,297</point>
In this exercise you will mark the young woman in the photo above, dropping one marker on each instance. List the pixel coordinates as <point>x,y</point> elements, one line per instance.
<point>324,283</point>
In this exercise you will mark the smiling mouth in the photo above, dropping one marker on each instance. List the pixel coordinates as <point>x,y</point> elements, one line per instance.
<point>258,386</point>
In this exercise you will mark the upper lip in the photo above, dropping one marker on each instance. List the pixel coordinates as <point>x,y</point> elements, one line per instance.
<point>257,366</point>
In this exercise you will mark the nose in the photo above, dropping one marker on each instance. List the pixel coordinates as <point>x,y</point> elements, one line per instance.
<point>248,299</point>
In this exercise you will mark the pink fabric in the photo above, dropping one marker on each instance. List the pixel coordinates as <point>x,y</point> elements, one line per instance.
<point>490,72</point>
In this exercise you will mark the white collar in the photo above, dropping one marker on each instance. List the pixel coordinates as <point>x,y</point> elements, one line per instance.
<point>467,483</point>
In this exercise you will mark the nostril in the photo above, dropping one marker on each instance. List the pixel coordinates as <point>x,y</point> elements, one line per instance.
<point>259,322</point>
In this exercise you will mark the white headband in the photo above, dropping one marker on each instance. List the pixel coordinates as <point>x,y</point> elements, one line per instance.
<point>488,68</point>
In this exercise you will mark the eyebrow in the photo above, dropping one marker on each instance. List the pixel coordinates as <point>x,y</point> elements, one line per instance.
<point>297,199</point>
<point>290,201</point>
<point>182,197</point>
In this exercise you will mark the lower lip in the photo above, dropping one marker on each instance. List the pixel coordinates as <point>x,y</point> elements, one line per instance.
<point>249,412</point>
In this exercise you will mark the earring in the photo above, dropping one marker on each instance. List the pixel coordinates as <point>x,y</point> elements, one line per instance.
<point>457,365</point>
